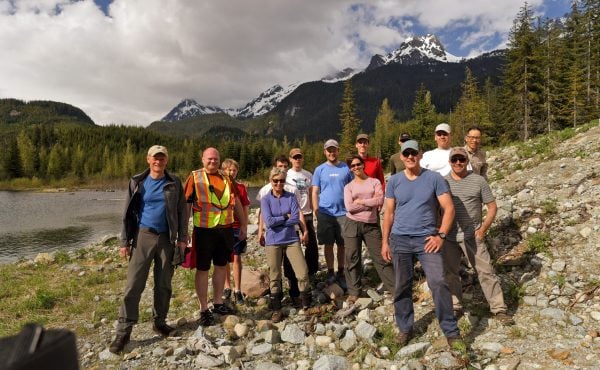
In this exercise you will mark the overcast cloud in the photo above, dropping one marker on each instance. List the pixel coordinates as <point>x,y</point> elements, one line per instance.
<point>136,64</point>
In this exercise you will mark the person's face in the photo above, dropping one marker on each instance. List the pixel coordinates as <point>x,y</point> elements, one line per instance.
<point>282,165</point>
<point>211,160</point>
<point>157,162</point>
<point>231,171</point>
<point>443,139</point>
<point>362,146</point>
<point>410,158</point>
<point>297,161</point>
<point>473,140</point>
<point>459,164</point>
<point>331,153</point>
<point>277,183</point>
<point>357,167</point>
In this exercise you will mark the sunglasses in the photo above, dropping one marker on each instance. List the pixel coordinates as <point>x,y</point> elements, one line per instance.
<point>297,157</point>
<point>408,152</point>
<point>354,165</point>
<point>278,181</point>
<point>458,158</point>
<point>442,133</point>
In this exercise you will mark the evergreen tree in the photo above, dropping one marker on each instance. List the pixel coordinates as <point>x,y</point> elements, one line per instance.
<point>349,120</point>
<point>471,108</point>
<point>28,156</point>
<point>424,115</point>
<point>383,141</point>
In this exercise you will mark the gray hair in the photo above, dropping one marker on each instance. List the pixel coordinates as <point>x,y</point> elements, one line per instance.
<point>275,171</point>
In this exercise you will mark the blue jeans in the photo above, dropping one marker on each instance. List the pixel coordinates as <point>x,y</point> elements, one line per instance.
<point>403,248</point>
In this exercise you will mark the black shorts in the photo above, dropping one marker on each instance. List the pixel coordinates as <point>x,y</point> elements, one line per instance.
<point>213,245</point>
<point>329,229</point>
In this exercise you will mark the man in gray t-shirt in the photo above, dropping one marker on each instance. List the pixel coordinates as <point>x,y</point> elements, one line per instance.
<point>469,193</point>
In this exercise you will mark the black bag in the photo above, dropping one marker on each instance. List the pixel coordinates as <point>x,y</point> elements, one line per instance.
<point>37,348</point>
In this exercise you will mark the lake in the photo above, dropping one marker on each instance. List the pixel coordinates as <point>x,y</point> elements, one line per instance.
<point>32,222</point>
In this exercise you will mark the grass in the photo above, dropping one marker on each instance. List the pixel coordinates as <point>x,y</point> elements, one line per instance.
<point>550,206</point>
<point>539,242</point>
<point>386,337</point>
<point>513,293</point>
<point>559,280</point>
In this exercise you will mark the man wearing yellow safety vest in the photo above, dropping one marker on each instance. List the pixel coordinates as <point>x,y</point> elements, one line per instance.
<point>214,201</point>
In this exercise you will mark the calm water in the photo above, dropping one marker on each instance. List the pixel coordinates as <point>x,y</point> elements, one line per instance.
<point>31,223</point>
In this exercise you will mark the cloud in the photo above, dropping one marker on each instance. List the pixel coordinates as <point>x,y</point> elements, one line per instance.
<point>137,63</point>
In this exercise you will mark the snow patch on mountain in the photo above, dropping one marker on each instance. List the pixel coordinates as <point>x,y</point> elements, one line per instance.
<point>345,74</point>
<point>189,108</point>
<point>266,101</point>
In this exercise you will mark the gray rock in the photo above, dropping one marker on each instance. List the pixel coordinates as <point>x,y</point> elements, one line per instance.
<point>447,361</point>
<point>559,265</point>
<point>491,347</point>
<point>553,313</point>
<point>575,320</point>
<point>261,349</point>
<point>230,354</point>
<point>331,362</point>
<point>206,361</point>
<point>271,336</point>
<point>412,350</point>
<point>365,330</point>
<point>107,355</point>
<point>323,341</point>
<point>268,366</point>
<point>292,334</point>
<point>348,342</point>
<point>376,297</point>
<point>585,232</point>
<point>595,315</point>
<point>530,300</point>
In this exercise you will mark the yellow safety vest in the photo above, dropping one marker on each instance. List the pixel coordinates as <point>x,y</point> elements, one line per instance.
<point>210,211</point>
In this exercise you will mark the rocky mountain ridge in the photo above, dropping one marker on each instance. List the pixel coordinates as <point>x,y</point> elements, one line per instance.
<point>546,244</point>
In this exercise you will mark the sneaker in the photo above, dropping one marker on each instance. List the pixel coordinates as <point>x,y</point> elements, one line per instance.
<point>226,294</point>
<point>239,297</point>
<point>222,309</point>
<point>162,329</point>
<point>206,318</point>
<point>341,280</point>
<point>504,318</point>
<point>404,338</point>
<point>330,278</point>
<point>277,316</point>
<point>119,343</point>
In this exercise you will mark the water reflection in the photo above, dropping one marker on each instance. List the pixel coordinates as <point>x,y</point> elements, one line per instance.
<point>15,245</point>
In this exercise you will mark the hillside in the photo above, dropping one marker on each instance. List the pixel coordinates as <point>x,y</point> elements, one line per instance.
<point>545,243</point>
<point>14,112</point>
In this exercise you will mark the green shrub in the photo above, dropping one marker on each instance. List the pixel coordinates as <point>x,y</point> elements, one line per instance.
<point>550,206</point>
<point>539,242</point>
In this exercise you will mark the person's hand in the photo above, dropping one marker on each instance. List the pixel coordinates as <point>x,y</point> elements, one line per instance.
<point>125,251</point>
<point>304,237</point>
<point>242,234</point>
<point>261,240</point>
<point>479,234</point>
<point>433,243</point>
<point>386,253</point>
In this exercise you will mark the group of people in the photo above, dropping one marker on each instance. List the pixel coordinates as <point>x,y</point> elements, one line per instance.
<point>432,209</point>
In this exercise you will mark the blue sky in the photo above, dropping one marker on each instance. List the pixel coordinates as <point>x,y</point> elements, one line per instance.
<point>131,61</point>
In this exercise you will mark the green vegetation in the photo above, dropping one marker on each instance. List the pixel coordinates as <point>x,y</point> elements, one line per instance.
<point>539,242</point>
<point>386,336</point>
<point>550,206</point>
<point>513,293</point>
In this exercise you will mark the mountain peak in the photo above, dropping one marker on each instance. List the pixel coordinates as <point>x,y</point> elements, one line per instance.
<point>189,108</point>
<point>415,50</point>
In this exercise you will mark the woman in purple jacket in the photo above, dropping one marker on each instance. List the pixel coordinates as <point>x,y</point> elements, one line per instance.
<point>281,214</point>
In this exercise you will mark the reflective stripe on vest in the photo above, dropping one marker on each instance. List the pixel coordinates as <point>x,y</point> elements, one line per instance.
<point>210,211</point>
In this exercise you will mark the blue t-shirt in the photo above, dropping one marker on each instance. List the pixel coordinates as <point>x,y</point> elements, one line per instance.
<point>331,181</point>
<point>153,207</point>
<point>416,202</point>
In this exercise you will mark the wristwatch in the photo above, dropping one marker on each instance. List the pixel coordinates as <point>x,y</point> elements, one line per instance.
<point>442,235</point>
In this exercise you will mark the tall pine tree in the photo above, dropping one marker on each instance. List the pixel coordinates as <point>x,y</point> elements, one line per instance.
<point>349,121</point>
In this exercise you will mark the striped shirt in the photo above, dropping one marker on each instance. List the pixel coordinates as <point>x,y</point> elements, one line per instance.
<point>468,195</point>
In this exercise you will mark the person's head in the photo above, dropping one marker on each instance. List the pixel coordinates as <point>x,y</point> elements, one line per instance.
<point>331,150</point>
<point>230,167</point>
<point>443,136</point>
<point>157,159</point>
<point>473,138</point>
<point>297,158</point>
<point>277,178</point>
<point>459,160</point>
<point>410,154</point>
<point>362,144</point>
<point>281,161</point>
<point>404,137</point>
<point>356,164</point>
<point>211,160</point>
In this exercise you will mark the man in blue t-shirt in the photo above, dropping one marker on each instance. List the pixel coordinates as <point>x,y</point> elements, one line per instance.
<point>328,184</point>
<point>410,229</point>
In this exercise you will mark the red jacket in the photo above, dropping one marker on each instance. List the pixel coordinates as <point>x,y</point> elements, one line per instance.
<point>374,169</point>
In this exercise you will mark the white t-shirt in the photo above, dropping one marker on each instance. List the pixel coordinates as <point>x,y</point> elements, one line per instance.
<point>301,181</point>
<point>437,160</point>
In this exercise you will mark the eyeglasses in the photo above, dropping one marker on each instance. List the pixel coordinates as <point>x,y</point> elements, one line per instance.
<point>458,158</point>
<point>297,157</point>
<point>441,133</point>
<point>473,137</point>
<point>408,152</point>
<point>278,181</point>
<point>354,165</point>
<point>362,141</point>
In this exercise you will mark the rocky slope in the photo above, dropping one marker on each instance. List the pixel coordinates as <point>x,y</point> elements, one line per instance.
<point>547,246</point>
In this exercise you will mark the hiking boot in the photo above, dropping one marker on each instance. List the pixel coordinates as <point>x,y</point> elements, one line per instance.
<point>504,318</point>
<point>296,302</point>
<point>330,278</point>
<point>239,297</point>
<point>403,338</point>
<point>277,316</point>
<point>206,318</point>
<point>341,280</point>
<point>162,329</point>
<point>456,343</point>
<point>226,294</point>
<point>120,341</point>
<point>222,309</point>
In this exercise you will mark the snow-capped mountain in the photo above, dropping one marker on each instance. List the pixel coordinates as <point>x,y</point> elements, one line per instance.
<point>266,101</point>
<point>415,50</point>
<point>343,75</point>
<point>189,108</point>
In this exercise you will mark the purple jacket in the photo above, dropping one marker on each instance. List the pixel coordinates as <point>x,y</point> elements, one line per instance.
<point>274,211</point>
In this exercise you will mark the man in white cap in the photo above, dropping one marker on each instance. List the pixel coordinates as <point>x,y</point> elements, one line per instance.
<point>396,164</point>
<point>154,230</point>
<point>328,184</point>
<point>437,159</point>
